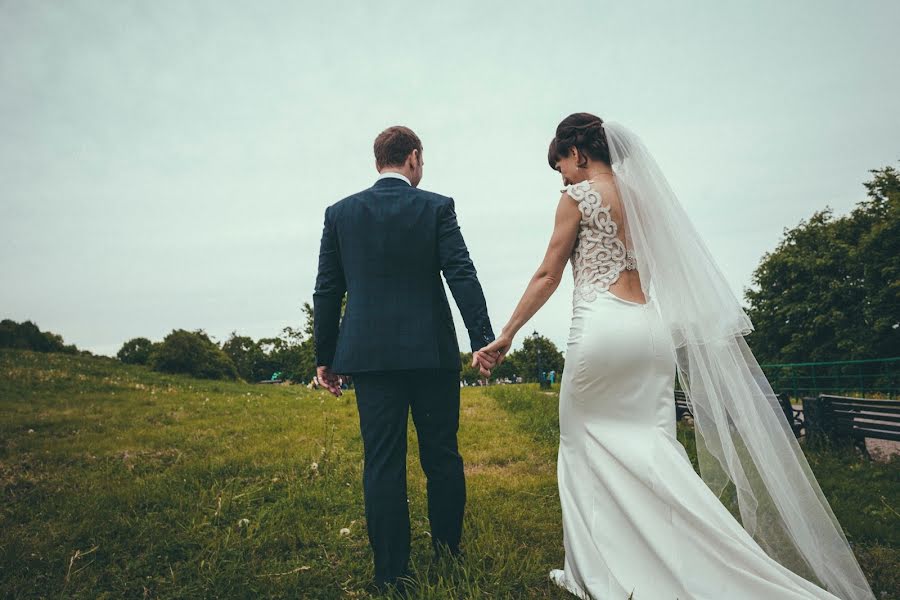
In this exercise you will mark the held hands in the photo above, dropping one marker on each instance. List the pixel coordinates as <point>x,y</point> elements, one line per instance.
<point>491,355</point>
<point>329,379</point>
<point>497,349</point>
<point>484,361</point>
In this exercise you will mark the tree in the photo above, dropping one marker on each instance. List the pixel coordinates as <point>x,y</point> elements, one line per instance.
<point>192,353</point>
<point>879,254</point>
<point>28,336</point>
<point>507,369</point>
<point>524,361</point>
<point>135,351</point>
<point>285,353</point>
<point>831,288</point>
<point>251,362</point>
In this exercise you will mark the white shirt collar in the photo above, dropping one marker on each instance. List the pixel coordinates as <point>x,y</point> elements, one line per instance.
<point>387,174</point>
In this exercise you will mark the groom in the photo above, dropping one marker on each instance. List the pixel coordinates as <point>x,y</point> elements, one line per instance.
<point>387,247</point>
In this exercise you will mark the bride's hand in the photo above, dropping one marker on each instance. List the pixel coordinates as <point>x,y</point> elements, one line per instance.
<point>499,346</point>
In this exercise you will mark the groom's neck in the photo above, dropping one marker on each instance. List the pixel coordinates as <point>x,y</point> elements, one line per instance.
<point>406,172</point>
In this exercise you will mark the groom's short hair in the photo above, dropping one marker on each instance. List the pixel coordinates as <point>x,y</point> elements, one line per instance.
<point>394,144</point>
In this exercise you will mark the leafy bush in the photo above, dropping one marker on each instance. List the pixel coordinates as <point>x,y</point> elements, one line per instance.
<point>192,353</point>
<point>136,351</point>
<point>291,354</point>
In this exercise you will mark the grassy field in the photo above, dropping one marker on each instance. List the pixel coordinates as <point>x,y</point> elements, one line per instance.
<point>120,482</point>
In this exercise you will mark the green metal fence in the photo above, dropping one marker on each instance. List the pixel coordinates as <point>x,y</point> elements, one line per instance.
<point>878,378</point>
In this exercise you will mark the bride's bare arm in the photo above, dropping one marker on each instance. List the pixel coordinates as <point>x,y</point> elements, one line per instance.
<point>547,277</point>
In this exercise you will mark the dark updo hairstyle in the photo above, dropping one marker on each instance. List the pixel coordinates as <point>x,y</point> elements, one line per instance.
<point>583,131</point>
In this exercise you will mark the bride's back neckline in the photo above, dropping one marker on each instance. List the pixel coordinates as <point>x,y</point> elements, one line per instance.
<point>594,221</point>
<point>604,199</point>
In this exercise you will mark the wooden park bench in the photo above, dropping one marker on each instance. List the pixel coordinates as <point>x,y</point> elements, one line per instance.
<point>794,416</point>
<point>853,418</point>
<point>681,405</point>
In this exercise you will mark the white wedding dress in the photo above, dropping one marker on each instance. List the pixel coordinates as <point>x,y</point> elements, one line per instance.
<point>636,516</point>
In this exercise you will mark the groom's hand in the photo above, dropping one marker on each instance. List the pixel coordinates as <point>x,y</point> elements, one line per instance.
<point>330,380</point>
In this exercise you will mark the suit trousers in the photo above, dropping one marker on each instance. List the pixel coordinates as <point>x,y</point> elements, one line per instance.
<point>384,400</point>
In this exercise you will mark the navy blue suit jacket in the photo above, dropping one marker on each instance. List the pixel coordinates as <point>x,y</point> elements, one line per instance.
<point>386,247</point>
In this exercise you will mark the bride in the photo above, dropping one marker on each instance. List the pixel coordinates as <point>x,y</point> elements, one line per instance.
<point>651,304</point>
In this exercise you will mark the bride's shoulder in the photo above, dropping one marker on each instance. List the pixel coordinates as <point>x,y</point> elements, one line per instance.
<point>581,186</point>
<point>581,190</point>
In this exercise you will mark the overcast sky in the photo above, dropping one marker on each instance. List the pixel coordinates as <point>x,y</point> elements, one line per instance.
<point>167,164</point>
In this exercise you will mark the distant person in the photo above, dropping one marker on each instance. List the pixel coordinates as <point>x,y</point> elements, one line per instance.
<point>388,246</point>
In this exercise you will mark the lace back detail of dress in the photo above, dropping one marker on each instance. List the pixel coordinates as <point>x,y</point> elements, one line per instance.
<point>599,255</point>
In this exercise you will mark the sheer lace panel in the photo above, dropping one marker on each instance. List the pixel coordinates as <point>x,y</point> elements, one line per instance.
<point>599,256</point>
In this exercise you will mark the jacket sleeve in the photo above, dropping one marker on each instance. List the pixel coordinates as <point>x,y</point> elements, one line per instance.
<point>328,296</point>
<point>461,277</point>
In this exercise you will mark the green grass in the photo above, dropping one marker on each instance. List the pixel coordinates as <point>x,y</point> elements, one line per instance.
<point>136,484</point>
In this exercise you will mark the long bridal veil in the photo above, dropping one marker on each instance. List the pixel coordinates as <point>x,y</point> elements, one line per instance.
<point>742,435</point>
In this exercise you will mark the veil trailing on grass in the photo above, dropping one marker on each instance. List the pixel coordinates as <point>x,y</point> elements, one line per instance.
<point>744,443</point>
